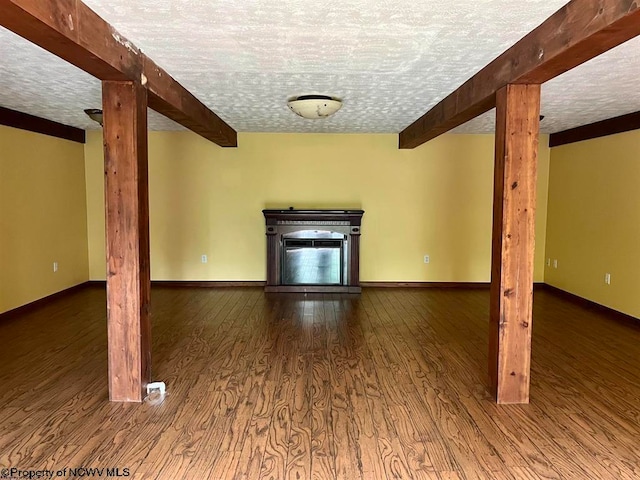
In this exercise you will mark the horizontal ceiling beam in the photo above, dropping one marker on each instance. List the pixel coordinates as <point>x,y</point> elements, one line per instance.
<point>168,97</point>
<point>75,33</point>
<point>31,123</point>
<point>603,128</point>
<point>578,32</point>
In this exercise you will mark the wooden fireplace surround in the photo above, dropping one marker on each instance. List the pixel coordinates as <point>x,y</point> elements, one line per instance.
<point>277,220</point>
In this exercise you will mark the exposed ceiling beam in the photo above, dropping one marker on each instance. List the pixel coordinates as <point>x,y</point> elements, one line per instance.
<point>75,33</point>
<point>168,97</point>
<point>578,32</point>
<point>610,126</point>
<point>24,121</point>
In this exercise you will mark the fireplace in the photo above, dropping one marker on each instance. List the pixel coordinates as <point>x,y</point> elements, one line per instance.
<point>313,250</point>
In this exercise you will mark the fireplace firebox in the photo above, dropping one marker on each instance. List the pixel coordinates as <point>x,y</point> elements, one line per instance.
<point>313,250</point>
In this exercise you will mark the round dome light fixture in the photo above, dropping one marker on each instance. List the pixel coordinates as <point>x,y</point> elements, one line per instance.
<point>94,114</point>
<point>314,106</point>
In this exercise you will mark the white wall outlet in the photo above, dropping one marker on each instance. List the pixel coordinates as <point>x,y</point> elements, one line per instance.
<point>426,259</point>
<point>55,267</point>
<point>607,278</point>
<point>548,262</point>
<point>555,263</point>
<point>204,259</point>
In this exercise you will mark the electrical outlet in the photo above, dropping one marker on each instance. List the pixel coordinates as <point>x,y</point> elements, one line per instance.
<point>607,278</point>
<point>548,262</point>
<point>204,259</point>
<point>55,267</point>
<point>555,263</point>
<point>426,259</point>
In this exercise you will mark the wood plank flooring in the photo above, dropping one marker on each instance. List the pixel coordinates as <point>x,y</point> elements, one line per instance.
<point>391,384</point>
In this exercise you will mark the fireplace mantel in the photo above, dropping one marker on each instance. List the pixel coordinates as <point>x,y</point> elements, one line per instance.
<point>291,224</point>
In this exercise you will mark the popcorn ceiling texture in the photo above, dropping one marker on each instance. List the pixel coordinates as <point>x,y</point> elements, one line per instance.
<point>389,60</point>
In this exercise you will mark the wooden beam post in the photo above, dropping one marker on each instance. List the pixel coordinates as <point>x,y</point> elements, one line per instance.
<point>578,32</point>
<point>31,123</point>
<point>75,33</point>
<point>514,202</point>
<point>127,228</point>
<point>610,126</point>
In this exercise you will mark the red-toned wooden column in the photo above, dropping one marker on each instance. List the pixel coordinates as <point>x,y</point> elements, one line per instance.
<point>514,202</point>
<point>127,229</point>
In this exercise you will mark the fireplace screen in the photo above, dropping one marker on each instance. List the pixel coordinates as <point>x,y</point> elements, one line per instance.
<point>313,250</point>
<point>313,258</point>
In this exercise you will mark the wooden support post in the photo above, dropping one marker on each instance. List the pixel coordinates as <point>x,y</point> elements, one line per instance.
<point>578,32</point>
<point>514,201</point>
<point>127,216</point>
<point>75,33</point>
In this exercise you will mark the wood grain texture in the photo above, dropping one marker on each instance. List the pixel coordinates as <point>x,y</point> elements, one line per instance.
<point>171,99</point>
<point>23,309</point>
<point>57,26</point>
<point>603,128</point>
<point>514,201</point>
<point>578,32</point>
<point>583,302</point>
<point>127,246</point>
<point>391,384</point>
<point>425,284</point>
<point>312,289</point>
<point>31,123</point>
<point>208,283</point>
<point>75,33</point>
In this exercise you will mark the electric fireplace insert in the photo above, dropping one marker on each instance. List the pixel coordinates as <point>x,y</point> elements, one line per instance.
<point>313,250</point>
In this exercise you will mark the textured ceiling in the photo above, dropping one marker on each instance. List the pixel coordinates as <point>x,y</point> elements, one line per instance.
<point>389,60</point>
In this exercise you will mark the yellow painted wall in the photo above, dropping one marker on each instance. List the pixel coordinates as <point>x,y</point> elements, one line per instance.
<point>43,216</point>
<point>204,199</point>
<point>594,220</point>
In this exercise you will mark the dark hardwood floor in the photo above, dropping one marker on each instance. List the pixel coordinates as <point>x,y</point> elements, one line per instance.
<point>389,384</point>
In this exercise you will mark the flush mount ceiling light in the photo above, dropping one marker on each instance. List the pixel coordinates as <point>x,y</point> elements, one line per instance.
<point>94,114</point>
<point>314,106</point>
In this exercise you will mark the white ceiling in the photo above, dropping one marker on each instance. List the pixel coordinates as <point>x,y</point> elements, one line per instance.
<point>389,60</point>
